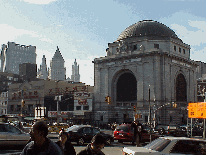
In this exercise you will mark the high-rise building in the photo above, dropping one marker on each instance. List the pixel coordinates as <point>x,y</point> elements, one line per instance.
<point>14,54</point>
<point>75,72</point>
<point>57,70</point>
<point>28,72</point>
<point>42,71</point>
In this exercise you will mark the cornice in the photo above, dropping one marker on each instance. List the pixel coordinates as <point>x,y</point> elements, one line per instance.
<point>140,55</point>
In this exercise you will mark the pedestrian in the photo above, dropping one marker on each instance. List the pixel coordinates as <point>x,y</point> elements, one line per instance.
<point>137,132</point>
<point>40,144</point>
<point>94,148</point>
<point>65,144</point>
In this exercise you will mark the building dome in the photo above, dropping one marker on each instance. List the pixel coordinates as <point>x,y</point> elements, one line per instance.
<point>147,28</point>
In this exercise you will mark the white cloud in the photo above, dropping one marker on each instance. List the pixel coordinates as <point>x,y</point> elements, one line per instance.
<point>46,40</point>
<point>193,38</point>
<point>27,36</point>
<point>39,1</point>
<point>201,25</point>
<point>198,55</point>
<point>13,33</point>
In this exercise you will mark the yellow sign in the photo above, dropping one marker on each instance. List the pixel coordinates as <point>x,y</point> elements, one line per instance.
<point>192,112</point>
<point>201,110</point>
<point>197,110</point>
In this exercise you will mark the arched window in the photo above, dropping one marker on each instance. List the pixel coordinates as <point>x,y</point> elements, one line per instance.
<point>126,88</point>
<point>181,88</point>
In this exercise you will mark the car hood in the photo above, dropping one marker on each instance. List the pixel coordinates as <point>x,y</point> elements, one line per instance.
<point>136,150</point>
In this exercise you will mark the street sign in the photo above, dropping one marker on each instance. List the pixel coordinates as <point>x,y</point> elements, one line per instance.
<point>192,110</point>
<point>197,110</point>
<point>201,110</point>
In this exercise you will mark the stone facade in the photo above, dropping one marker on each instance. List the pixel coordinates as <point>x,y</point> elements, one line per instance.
<point>159,65</point>
<point>57,70</point>
<point>42,71</point>
<point>14,54</point>
<point>75,72</point>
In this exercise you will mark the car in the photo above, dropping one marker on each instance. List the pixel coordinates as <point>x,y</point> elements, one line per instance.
<point>169,145</point>
<point>182,131</point>
<point>196,131</point>
<point>12,136</point>
<point>84,133</point>
<point>165,129</point>
<point>125,133</point>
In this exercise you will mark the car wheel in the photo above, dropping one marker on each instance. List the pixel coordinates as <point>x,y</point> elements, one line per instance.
<point>108,141</point>
<point>120,141</point>
<point>161,131</point>
<point>189,135</point>
<point>81,141</point>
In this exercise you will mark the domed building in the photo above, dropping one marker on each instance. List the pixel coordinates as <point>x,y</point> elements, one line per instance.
<point>147,67</point>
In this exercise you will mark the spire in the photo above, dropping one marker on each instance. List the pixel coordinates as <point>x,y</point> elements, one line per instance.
<point>57,54</point>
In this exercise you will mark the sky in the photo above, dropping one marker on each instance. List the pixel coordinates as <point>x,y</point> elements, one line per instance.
<point>82,29</point>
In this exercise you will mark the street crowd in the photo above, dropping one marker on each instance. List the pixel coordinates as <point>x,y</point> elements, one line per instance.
<point>39,143</point>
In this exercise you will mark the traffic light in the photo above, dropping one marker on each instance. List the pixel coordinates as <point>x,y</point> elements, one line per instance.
<point>134,108</point>
<point>174,105</point>
<point>106,98</point>
<point>109,100</point>
<point>23,103</point>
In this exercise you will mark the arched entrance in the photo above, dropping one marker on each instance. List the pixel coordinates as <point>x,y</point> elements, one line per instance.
<point>126,88</point>
<point>181,88</point>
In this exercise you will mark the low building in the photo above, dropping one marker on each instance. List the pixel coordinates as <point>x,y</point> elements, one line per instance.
<point>6,79</point>
<point>77,98</point>
<point>3,103</point>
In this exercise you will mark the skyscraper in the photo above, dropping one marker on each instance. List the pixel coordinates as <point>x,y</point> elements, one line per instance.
<point>75,72</point>
<point>42,71</point>
<point>14,54</point>
<point>57,70</point>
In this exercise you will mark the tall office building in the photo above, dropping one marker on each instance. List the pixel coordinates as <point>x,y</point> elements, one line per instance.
<point>14,54</point>
<point>57,70</point>
<point>42,71</point>
<point>28,72</point>
<point>75,72</point>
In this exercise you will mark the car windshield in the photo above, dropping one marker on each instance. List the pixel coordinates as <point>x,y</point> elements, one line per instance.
<point>158,145</point>
<point>122,128</point>
<point>161,126</point>
<point>73,128</point>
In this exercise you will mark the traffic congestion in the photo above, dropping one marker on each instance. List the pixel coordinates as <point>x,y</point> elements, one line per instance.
<point>131,138</point>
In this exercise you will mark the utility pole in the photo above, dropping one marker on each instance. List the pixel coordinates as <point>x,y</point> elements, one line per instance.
<point>150,116</point>
<point>58,98</point>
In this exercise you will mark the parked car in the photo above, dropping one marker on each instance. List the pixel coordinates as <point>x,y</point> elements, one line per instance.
<point>12,136</point>
<point>125,133</point>
<point>196,131</point>
<point>84,133</point>
<point>182,131</point>
<point>169,145</point>
<point>165,129</point>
